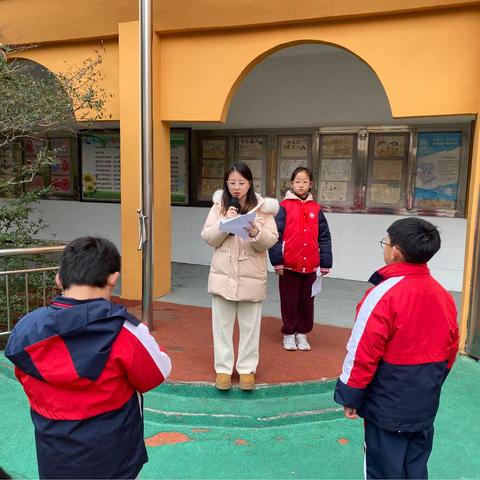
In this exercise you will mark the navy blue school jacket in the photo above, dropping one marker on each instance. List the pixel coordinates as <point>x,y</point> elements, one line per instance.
<point>83,366</point>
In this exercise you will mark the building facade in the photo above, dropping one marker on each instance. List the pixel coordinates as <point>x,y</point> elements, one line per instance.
<point>379,98</point>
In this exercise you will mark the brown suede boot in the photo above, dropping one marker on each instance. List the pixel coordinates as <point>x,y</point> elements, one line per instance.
<point>223,381</point>
<point>247,381</point>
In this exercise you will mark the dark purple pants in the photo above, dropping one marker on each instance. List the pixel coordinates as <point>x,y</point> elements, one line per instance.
<point>296,301</point>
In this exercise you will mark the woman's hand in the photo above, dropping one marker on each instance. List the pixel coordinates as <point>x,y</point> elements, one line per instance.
<point>231,212</point>
<point>252,230</point>
<point>278,269</point>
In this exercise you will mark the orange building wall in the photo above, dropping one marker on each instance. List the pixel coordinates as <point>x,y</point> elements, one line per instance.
<point>425,52</point>
<point>473,214</point>
<point>428,64</point>
<point>100,18</point>
<point>60,57</point>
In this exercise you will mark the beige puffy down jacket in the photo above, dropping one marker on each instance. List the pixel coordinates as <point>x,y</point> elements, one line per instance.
<point>239,267</point>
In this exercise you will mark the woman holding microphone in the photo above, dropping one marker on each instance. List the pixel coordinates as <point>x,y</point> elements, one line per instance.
<point>238,274</point>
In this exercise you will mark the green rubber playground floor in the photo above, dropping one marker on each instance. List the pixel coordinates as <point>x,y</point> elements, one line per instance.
<point>276,432</point>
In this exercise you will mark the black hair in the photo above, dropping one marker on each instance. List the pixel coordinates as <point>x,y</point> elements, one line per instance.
<point>88,261</point>
<point>251,200</point>
<point>304,170</point>
<point>417,239</point>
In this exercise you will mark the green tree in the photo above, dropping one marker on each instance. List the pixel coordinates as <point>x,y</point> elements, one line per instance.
<point>33,104</point>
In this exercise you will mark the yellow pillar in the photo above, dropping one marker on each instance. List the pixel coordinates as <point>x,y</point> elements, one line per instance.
<point>129,100</point>
<point>129,93</point>
<point>472,216</point>
<point>161,185</point>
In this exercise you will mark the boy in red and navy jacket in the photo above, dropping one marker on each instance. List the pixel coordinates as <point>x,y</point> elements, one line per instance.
<point>401,349</point>
<point>83,362</point>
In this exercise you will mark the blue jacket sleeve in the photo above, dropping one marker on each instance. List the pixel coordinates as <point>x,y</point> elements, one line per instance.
<point>348,396</point>
<point>324,242</point>
<point>276,252</point>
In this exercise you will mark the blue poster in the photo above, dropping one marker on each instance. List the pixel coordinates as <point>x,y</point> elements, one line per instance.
<point>438,165</point>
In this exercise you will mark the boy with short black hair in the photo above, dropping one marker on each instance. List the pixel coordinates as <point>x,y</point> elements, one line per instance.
<point>83,362</point>
<point>402,346</point>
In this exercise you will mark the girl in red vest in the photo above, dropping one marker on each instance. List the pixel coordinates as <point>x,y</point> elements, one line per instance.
<point>304,245</point>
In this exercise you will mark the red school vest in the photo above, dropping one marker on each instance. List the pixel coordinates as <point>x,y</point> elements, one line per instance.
<point>300,238</point>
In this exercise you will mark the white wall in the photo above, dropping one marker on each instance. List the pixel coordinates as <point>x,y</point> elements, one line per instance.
<point>68,220</point>
<point>355,242</point>
<point>357,253</point>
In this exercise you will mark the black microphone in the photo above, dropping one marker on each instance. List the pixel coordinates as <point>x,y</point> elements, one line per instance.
<point>234,203</point>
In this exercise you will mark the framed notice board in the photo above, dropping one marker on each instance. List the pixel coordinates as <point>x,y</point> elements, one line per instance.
<point>100,162</point>
<point>337,170</point>
<point>212,155</point>
<point>293,150</point>
<point>439,156</point>
<point>388,169</point>
<point>252,150</point>
<point>61,177</point>
<point>179,165</point>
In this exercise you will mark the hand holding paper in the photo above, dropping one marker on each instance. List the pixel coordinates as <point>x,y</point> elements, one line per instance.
<point>237,225</point>
<point>317,284</point>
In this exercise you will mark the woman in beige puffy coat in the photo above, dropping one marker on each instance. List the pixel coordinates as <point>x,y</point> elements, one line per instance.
<point>238,274</point>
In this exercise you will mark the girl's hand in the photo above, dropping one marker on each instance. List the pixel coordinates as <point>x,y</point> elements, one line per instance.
<point>279,270</point>
<point>252,230</point>
<point>324,271</point>
<point>231,212</point>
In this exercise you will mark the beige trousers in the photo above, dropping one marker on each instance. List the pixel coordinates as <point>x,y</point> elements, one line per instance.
<point>249,316</point>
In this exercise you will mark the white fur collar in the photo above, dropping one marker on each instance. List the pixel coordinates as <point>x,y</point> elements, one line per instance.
<point>217,196</point>
<point>265,205</point>
<point>291,196</point>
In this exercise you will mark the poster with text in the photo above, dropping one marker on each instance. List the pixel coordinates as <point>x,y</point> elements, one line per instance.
<point>389,146</point>
<point>288,166</point>
<point>384,194</point>
<point>337,146</point>
<point>333,191</point>
<point>214,148</point>
<point>336,169</point>
<point>209,186</point>
<point>101,166</point>
<point>387,170</point>
<point>256,167</point>
<point>294,147</point>
<point>178,167</point>
<point>62,150</point>
<point>213,168</point>
<point>250,148</point>
<point>437,170</point>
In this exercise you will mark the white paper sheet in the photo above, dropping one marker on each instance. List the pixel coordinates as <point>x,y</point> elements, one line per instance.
<point>237,225</point>
<point>317,285</point>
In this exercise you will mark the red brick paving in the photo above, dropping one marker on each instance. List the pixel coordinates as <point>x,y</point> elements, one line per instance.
<point>185,333</point>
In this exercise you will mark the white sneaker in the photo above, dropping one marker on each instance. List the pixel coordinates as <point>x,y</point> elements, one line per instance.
<point>289,342</point>
<point>302,341</point>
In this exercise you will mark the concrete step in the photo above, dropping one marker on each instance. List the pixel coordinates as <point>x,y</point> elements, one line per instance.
<point>201,405</point>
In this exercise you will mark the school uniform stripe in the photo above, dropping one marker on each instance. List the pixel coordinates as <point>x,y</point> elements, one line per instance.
<point>364,313</point>
<point>140,331</point>
<point>63,305</point>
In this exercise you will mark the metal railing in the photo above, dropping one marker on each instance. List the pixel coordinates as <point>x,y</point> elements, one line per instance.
<point>5,278</point>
